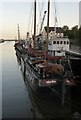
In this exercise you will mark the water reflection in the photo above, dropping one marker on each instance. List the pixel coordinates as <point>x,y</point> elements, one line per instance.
<point>15,98</point>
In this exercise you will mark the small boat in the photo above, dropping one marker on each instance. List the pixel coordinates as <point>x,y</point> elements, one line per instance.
<point>2,40</point>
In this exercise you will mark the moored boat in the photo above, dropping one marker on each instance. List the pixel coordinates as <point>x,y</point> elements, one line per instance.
<point>44,70</point>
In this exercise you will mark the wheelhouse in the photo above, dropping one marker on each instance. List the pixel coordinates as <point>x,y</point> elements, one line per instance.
<point>58,46</point>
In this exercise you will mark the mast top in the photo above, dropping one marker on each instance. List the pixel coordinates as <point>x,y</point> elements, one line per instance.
<point>48,25</point>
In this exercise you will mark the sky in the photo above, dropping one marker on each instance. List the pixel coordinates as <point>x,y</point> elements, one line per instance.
<point>21,12</point>
<point>80,13</point>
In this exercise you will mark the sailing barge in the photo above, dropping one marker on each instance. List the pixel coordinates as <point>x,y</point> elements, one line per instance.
<point>44,70</point>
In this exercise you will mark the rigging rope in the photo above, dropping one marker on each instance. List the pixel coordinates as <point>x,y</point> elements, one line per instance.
<point>40,13</point>
<point>30,22</point>
<point>56,13</point>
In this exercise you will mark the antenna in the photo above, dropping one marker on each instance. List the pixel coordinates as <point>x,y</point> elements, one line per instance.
<point>18,32</point>
<point>55,17</point>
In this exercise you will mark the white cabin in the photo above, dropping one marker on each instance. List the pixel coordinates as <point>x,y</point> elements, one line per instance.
<point>58,46</point>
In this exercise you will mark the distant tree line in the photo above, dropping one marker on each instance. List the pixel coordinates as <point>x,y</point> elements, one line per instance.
<point>74,34</point>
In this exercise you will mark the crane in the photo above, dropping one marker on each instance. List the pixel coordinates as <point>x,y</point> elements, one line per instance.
<point>39,38</point>
<point>42,22</point>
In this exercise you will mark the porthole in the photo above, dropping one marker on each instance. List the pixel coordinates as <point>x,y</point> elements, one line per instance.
<point>57,42</point>
<point>64,42</point>
<point>54,42</point>
<point>60,42</point>
<point>67,42</point>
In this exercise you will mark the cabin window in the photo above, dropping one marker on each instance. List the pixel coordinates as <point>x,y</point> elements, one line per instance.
<point>54,53</point>
<point>67,42</point>
<point>54,42</point>
<point>64,42</point>
<point>49,43</point>
<point>60,42</point>
<point>51,52</point>
<point>57,42</point>
<point>37,39</point>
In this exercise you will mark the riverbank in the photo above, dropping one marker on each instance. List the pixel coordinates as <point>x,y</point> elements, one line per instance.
<point>75,48</point>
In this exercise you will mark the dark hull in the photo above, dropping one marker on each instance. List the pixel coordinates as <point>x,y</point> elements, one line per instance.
<point>48,106</point>
<point>71,93</point>
<point>49,102</point>
<point>46,91</point>
<point>70,99</point>
<point>27,77</point>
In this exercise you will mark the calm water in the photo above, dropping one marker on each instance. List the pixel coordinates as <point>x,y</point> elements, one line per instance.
<point>18,101</point>
<point>15,99</point>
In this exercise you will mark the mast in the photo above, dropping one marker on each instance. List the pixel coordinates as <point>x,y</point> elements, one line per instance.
<point>34,24</point>
<point>18,32</point>
<point>48,25</point>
